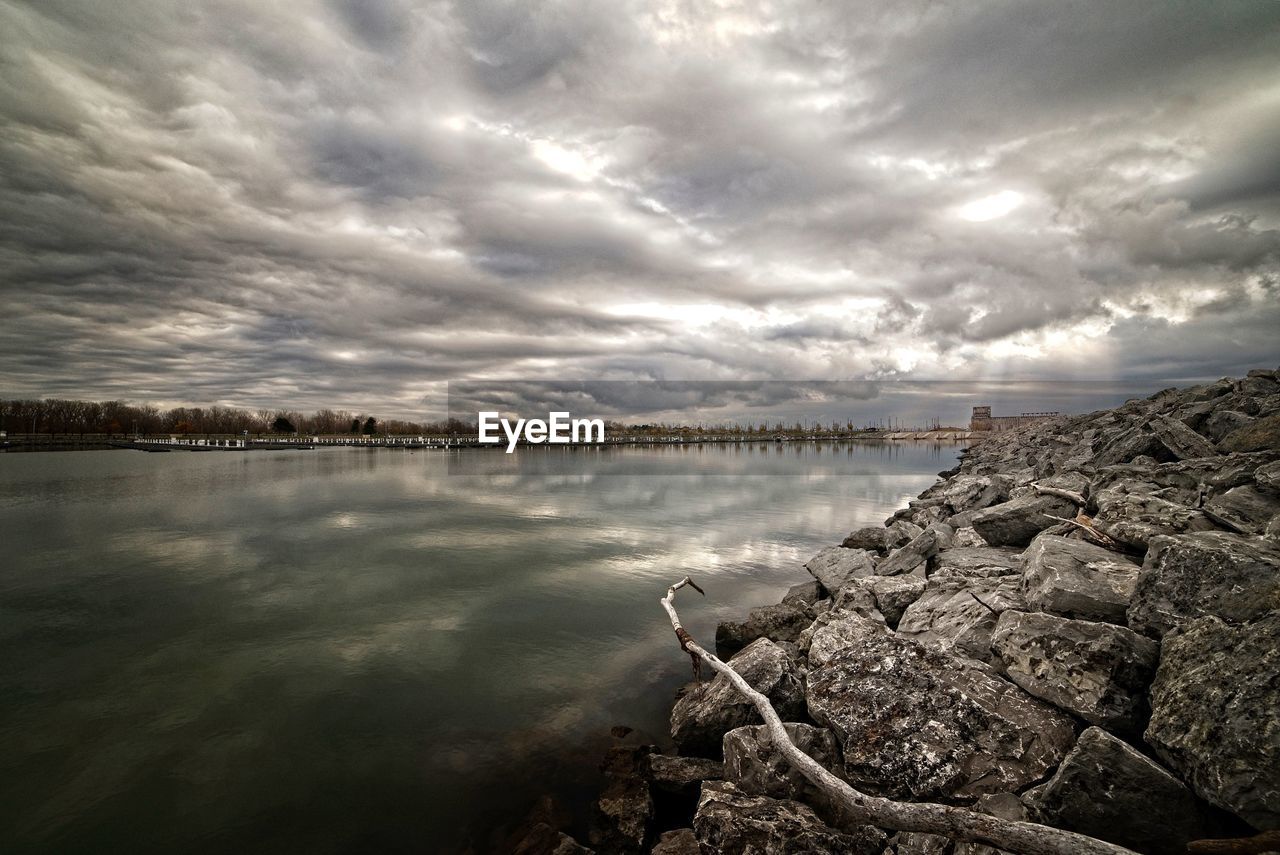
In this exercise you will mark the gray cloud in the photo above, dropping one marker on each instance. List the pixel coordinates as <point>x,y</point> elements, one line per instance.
<point>351,204</point>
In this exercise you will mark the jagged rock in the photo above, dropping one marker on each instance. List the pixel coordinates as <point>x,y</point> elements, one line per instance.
<point>1181,441</point>
<point>835,567</point>
<point>732,822</point>
<point>857,597</point>
<point>957,614</point>
<point>1222,422</point>
<point>781,622</point>
<point>682,774</point>
<point>1095,670</point>
<point>1244,509</point>
<point>702,717</point>
<point>620,822</point>
<point>1216,714</point>
<point>966,535</point>
<point>916,723</point>
<point>829,637</point>
<point>805,593</point>
<point>680,841</point>
<point>1076,579</point>
<point>973,492</point>
<point>1260,435</point>
<point>894,593</point>
<point>756,766</point>
<point>1109,791</point>
<point>976,561</point>
<point>921,547</point>
<point>1128,445</point>
<point>1136,518</point>
<point>1187,576</point>
<point>1017,521</point>
<point>1268,477</point>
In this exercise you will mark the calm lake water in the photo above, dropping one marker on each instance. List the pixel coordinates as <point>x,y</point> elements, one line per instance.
<point>354,651</point>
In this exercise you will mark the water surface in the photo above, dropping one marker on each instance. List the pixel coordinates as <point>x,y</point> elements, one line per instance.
<point>350,650</point>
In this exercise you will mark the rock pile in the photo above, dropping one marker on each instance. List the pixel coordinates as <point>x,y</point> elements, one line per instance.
<point>1079,625</point>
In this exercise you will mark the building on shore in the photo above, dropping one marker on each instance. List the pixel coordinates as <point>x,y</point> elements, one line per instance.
<point>983,420</point>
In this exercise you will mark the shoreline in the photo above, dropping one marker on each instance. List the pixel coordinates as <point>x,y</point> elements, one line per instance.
<point>1036,637</point>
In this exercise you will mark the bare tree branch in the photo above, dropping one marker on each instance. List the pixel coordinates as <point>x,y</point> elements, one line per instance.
<point>1069,495</point>
<point>952,822</point>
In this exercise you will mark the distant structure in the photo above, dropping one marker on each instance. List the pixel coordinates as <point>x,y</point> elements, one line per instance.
<point>983,420</point>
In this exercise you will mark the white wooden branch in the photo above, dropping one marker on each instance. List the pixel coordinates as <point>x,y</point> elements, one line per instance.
<point>1070,495</point>
<point>955,823</point>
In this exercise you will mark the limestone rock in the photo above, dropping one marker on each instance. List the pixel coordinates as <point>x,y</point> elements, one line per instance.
<point>976,561</point>
<point>1017,521</point>
<point>1136,518</point>
<point>1268,477</point>
<point>1216,714</point>
<point>1222,422</point>
<point>702,717</point>
<point>1095,670</point>
<point>1260,435</point>
<point>895,593</point>
<point>753,763</point>
<point>624,809</point>
<point>1187,576</point>
<point>872,538</point>
<point>841,630</point>
<point>732,822</point>
<point>921,547</point>
<point>1244,509</point>
<point>835,567</point>
<point>680,841</point>
<point>682,774</point>
<point>966,535</point>
<point>781,622</point>
<point>1076,579</point>
<point>1181,441</point>
<point>805,593</point>
<point>916,723</point>
<point>1109,791</point>
<point>957,615</point>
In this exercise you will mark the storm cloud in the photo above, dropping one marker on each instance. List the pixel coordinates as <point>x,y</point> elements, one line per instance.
<point>351,204</point>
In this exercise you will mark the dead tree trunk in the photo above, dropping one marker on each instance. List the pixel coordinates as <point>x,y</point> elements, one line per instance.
<point>955,823</point>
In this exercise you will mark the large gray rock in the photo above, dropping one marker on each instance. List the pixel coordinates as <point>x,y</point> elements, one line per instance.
<point>1017,521</point>
<point>702,717</point>
<point>1135,518</point>
<point>921,547</point>
<point>731,822</point>
<point>624,810</point>
<point>1076,579</point>
<point>679,841</point>
<point>1216,714</point>
<point>756,766</point>
<point>1244,509</point>
<point>835,567</point>
<point>682,774</point>
<point>957,614</point>
<point>972,492</point>
<point>1187,576</point>
<point>871,538</point>
<point>781,622</point>
<point>834,632</point>
<point>892,593</point>
<point>1095,670</point>
<point>976,561</point>
<point>1222,422</point>
<point>916,723</point>
<point>1181,441</point>
<point>804,593</point>
<point>1268,477</point>
<point>1109,791</point>
<point>1259,435</point>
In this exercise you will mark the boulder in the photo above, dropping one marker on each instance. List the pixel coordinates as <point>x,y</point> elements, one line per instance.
<point>781,622</point>
<point>1095,670</point>
<point>805,593</point>
<point>1259,435</point>
<point>682,774</point>
<point>753,763</point>
<point>624,810</point>
<point>835,567</point>
<point>976,561</point>
<point>1136,518</point>
<point>900,532</point>
<point>1076,579</point>
<point>680,841</point>
<point>1215,714</point>
<point>1126,445</point>
<point>921,547</point>
<point>1187,576</point>
<point>702,717</point>
<point>916,723</point>
<point>1109,791</point>
<point>1222,422</point>
<point>872,538</point>
<point>957,614</point>
<point>1017,521</point>
<point>840,630</point>
<point>966,535</point>
<point>894,593</point>
<point>973,492</point>
<point>1181,441</point>
<point>1244,509</point>
<point>732,822</point>
<point>1268,477</point>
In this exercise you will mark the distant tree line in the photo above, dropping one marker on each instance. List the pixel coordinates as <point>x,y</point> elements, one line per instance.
<point>59,416</point>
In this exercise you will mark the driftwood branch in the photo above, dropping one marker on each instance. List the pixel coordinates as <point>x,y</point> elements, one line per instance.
<point>952,822</point>
<point>1267,841</point>
<point>1085,522</point>
<point>1070,495</point>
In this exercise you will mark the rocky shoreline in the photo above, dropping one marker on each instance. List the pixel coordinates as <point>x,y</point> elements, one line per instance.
<point>1078,625</point>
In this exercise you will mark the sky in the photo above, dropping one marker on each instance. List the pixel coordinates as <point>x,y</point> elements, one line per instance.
<point>352,204</point>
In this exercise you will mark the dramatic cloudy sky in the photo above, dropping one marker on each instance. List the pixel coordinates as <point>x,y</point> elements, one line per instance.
<point>303,204</point>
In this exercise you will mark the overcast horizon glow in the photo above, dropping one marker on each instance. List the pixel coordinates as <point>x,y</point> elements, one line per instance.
<point>350,204</point>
